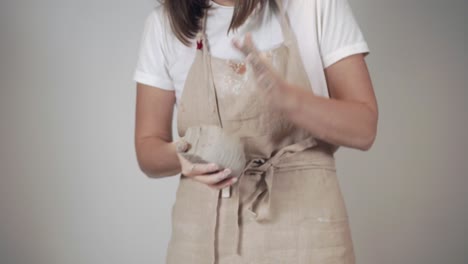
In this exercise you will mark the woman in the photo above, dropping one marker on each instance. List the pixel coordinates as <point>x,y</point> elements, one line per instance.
<point>288,78</point>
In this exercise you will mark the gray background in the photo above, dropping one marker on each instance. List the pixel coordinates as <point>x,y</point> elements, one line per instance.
<point>71,191</point>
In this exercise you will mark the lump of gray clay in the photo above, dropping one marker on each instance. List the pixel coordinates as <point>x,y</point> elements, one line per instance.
<point>209,143</point>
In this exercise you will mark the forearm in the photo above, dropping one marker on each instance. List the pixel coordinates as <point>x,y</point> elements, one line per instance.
<point>338,122</point>
<point>157,158</point>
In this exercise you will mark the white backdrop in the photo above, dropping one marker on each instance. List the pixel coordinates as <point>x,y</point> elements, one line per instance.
<point>71,191</point>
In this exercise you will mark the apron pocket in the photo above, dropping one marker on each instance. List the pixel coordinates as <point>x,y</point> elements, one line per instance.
<point>325,241</point>
<point>279,257</point>
<point>280,239</point>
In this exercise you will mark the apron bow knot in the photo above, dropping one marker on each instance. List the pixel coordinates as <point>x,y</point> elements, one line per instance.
<point>260,207</point>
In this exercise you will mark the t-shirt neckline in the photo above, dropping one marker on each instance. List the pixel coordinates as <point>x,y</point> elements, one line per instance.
<point>221,6</point>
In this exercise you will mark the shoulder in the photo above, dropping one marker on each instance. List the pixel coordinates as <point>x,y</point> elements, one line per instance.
<point>303,11</point>
<point>304,15</point>
<point>304,5</point>
<point>157,21</point>
<point>158,25</point>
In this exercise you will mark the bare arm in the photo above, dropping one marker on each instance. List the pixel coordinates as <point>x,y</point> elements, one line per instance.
<point>347,118</point>
<point>350,116</point>
<point>155,152</point>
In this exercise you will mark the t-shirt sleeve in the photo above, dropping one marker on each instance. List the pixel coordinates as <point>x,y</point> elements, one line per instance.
<point>339,33</point>
<point>151,68</point>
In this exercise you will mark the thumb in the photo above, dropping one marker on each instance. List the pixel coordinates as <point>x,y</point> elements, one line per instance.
<point>182,145</point>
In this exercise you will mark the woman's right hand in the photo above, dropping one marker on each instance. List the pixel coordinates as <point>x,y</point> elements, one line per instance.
<point>208,173</point>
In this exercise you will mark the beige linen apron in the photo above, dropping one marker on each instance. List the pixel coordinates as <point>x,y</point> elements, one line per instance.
<point>287,206</point>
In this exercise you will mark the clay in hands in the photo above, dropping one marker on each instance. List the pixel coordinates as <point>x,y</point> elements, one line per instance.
<point>210,144</point>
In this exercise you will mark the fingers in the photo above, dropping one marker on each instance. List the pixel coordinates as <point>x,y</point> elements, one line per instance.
<point>253,56</point>
<point>213,178</point>
<point>209,174</point>
<point>182,145</point>
<point>202,169</point>
<point>265,73</point>
<point>247,47</point>
<point>248,41</point>
<point>193,169</point>
<point>259,62</point>
<point>224,183</point>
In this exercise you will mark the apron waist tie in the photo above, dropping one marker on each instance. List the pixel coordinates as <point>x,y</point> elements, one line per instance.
<point>260,207</point>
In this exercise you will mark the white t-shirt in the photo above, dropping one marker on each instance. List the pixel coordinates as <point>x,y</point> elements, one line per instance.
<point>326,31</point>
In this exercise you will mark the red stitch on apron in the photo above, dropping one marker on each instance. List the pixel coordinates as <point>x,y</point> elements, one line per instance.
<point>199,45</point>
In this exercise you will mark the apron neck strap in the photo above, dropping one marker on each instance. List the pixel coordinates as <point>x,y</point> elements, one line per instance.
<point>284,21</point>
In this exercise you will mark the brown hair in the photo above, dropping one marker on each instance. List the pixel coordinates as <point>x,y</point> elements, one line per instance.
<point>185,15</point>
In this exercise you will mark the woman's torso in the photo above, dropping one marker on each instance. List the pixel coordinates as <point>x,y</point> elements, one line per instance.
<point>267,35</point>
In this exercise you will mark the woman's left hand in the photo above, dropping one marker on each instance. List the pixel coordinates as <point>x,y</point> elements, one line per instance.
<point>278,92</point>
